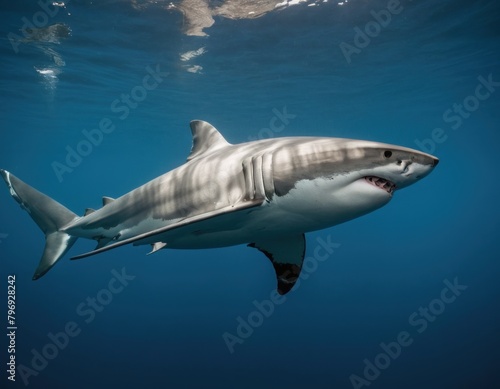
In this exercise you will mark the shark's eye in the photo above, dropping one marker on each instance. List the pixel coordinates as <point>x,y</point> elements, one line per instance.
<point>387,153</point>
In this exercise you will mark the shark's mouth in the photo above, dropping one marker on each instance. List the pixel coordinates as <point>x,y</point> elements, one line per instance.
<point>381,183</point>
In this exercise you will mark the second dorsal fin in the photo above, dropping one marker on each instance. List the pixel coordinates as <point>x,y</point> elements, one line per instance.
<point>88,211</point>
<point>206,138</point>
<point>106,200</point>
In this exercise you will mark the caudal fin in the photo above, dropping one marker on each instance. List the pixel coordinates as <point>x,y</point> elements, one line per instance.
<point>49,215</point>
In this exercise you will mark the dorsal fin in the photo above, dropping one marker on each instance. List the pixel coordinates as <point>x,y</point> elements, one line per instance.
<point>206,138</point>
<point>106,200</point>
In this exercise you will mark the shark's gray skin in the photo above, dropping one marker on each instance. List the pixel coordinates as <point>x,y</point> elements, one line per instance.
<point>266,193</point>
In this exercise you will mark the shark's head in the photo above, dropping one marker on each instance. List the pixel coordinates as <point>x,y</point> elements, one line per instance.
<point>388,167</point>
<point>346,178</point>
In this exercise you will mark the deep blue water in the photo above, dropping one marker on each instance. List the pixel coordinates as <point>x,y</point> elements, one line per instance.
<point>165,327</point>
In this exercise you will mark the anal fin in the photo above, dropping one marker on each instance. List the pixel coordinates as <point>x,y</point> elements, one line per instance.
<point>287,255</point>
<point>157,246</point>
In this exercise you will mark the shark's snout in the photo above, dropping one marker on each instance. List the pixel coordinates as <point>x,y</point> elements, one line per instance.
<point>418,168</point>
<point>399,167</point>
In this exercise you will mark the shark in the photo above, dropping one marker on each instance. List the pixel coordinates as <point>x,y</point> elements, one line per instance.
<point>266,194</point>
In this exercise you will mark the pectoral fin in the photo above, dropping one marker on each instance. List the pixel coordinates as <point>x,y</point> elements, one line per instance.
<point>287,255</point>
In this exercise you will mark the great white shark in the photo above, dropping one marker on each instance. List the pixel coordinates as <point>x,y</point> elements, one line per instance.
<point>265,193</point>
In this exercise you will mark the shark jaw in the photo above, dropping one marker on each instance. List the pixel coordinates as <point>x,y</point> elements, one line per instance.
<point>381,183</point>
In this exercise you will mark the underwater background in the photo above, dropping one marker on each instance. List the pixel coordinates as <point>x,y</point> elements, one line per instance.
<point>405,297</point>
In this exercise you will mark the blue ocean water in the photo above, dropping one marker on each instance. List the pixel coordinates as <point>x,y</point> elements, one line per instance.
<point>405,297</point>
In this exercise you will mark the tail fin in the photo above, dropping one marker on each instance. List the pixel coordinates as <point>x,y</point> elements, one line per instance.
<point>49,215</point>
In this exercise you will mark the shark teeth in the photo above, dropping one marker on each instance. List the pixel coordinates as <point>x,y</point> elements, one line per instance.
<point>382,183</point>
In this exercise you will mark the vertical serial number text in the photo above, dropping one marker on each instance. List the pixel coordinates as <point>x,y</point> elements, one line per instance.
<point>11,326</point>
